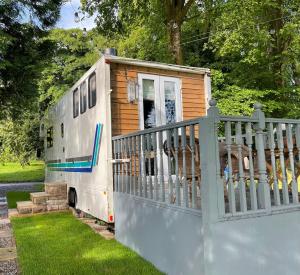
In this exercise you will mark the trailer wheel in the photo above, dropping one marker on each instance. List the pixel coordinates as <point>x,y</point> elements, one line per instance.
<point>72,197</point>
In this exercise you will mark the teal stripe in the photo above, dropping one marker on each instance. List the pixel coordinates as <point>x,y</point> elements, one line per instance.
<point>70,164</point>
<point>97,144</point>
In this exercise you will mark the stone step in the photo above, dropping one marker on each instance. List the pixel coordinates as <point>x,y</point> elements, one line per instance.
<point>6,238</point>
<point>5,224</point>
<point>2,199</point>
<point>3,205</point>
<point>56,202</point>
<point>24,207</point>
<point>56,189</point>
<point>54,205</point>
<point>9,253</point>
<point>39,197</point>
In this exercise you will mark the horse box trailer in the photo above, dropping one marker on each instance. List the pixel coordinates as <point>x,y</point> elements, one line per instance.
<point>116,96</point>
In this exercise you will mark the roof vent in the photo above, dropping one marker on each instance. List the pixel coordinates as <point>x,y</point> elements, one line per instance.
<point>110,51</point>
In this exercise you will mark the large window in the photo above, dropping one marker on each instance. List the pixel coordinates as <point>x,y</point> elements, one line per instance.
<point>75,103</point>
<point>83,97</point>
<point>50,137</point>
<point>92,90</point>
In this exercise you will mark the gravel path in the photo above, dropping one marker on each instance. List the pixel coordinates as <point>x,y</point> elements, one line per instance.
<point>8,253</point>
<point>20,186</point>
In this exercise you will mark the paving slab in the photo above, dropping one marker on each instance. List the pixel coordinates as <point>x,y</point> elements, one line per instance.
<point>8,253</point>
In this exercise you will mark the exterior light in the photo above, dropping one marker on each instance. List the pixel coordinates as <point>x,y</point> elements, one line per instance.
<point>76,17</point>
<point>84,32</point>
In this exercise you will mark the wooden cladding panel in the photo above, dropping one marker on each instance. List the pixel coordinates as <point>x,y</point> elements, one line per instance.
<point>125,115</point>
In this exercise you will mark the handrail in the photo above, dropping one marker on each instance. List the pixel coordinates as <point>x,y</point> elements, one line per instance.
<point>162,128</point>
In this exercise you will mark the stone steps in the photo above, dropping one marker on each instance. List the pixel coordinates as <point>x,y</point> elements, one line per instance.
<point>54,198</point>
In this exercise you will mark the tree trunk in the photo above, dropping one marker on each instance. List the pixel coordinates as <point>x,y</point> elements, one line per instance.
<point>174,29</point>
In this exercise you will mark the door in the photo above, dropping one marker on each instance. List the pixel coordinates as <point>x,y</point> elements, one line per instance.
<point>159,104</point>
<point>159,100</point>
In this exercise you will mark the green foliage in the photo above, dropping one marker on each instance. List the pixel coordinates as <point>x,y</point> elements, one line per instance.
<point>22,23</point>
<point>71,55</point>
<point>19,138</point>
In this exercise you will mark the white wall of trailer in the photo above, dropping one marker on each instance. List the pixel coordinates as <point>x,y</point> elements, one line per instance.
<point>93,188</point>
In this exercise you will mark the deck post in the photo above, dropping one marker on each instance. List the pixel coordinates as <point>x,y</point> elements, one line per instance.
<point>212,192</point>
<point>212,189</point>
<point>264,199</point>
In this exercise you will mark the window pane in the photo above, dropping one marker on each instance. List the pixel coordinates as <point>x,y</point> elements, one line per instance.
<point>75,103</point>
<point>148,103</point>
<point>50,137</point>
<point>170,102</point>
<point>92,90</point>
<point>83,97</point>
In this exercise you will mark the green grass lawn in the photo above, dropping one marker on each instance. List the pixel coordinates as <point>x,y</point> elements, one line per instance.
<point>14,196</point>
<point>14,172</point>
<point>57,243</point>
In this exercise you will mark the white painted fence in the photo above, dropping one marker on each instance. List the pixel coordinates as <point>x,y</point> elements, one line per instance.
<point>214,195</point>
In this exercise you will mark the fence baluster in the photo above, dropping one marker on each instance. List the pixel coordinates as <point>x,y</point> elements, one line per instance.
<point>249,141</point>
<point>116,166</point>
<point>155,165</point>
<point>192,145</point>
<point>170,180</point>
<point>144,185</point>
<point>161,165</point>
<point>285,191</point>
<point>184,178</point>
<point>177,183</point>
<point>242,188</point>
<point>127,166</point>
<point>272,146</point>
<point>297,133</point>
<point>134,167</point>
<point>231,194</point>
<point>130,165</point>
<point>290,145</point>
<point>139,157</point>
<point>149,152</point>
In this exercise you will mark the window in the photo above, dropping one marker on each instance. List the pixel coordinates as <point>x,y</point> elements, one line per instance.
<point>62,130</point>
<point>92,90</point>
<point>75,103</point>
<point>149,103</point>
<point>50,137</point>
<point>83,97</point>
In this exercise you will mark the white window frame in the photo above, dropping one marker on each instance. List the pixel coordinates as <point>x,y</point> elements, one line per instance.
<point>159,98</point>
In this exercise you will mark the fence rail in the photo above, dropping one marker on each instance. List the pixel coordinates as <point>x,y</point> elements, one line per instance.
<point>254,163</point>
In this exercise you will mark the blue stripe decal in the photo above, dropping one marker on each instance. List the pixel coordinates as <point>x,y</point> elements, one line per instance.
<point>70,164</point>
<point>81,166</point>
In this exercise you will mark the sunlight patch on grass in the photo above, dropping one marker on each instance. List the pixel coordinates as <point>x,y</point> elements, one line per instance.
<point>14,172</point>
<point>57,243</point>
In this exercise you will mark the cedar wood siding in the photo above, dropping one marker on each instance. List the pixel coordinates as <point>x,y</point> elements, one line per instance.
<point>125,115</point>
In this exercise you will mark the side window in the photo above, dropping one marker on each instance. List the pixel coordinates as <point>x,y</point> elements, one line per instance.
<point>75,103</point>
<point>83,96</point>
<point>62,130</point>
<point>50,137</point>
<point>92,90</point>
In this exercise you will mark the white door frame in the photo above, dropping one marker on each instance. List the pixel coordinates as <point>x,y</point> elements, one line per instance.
<point>159,98</point>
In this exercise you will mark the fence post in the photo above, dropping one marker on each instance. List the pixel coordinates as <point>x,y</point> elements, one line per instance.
<point>264,199</point>
<point>212,192</point>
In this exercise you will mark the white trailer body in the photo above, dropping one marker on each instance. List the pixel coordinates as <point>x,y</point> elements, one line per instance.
<point>108,100</point>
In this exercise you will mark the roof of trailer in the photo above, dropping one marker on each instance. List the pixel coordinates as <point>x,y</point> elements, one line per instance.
<point>156,65</point>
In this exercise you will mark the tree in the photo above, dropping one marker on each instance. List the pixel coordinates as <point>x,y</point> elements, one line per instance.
<point>71,55</point>
<point>117,17</point>
<point>22,23</point>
